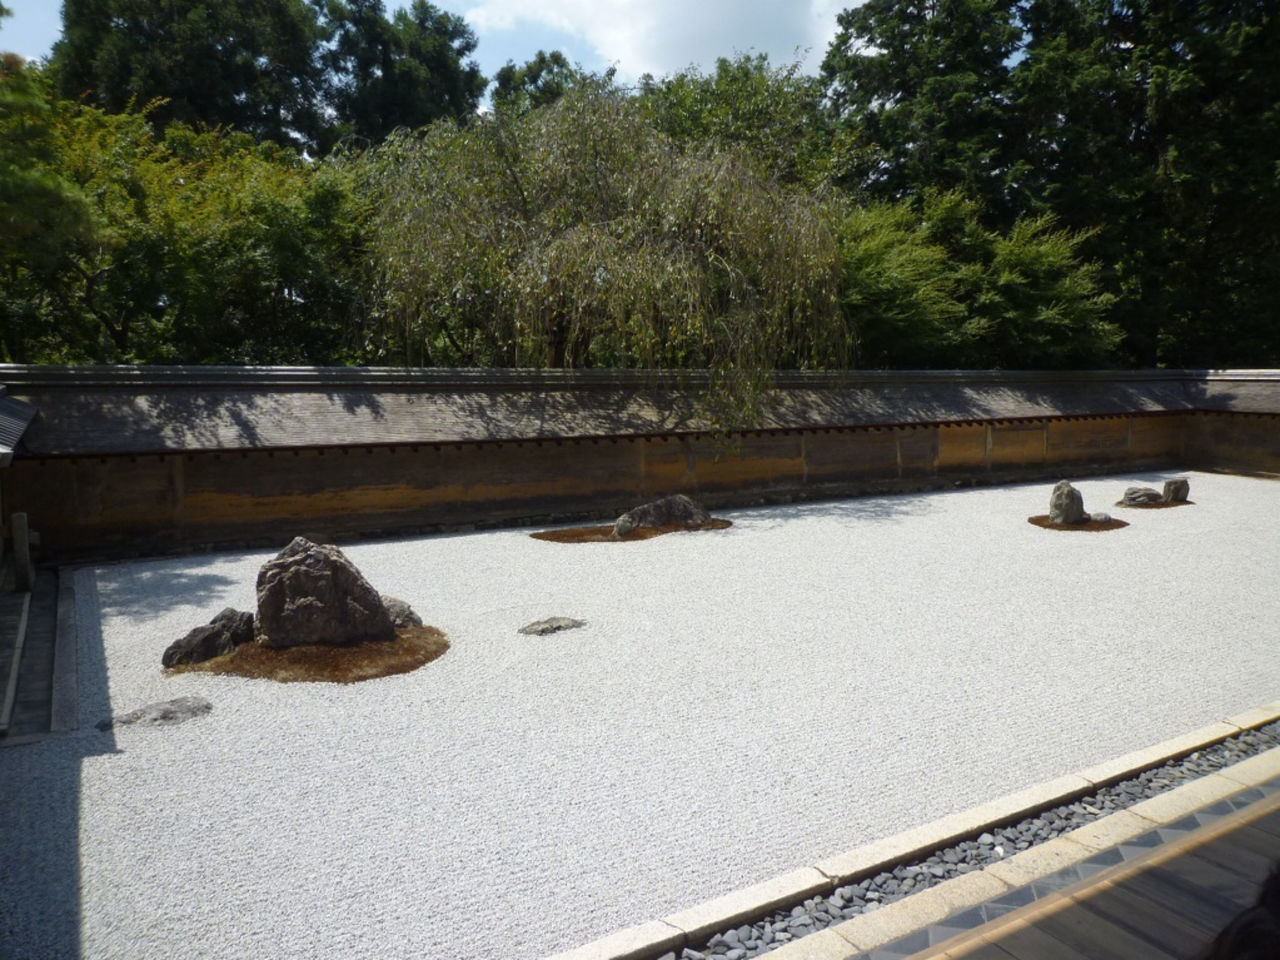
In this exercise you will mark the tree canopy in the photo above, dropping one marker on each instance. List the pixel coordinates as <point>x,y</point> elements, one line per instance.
<point>299,73</point>
<point>983,183</point>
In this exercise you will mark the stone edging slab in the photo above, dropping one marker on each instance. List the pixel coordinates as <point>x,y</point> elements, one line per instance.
<point>651,940</point>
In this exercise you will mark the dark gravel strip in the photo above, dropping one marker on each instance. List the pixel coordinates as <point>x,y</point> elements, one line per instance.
<point>816,913</point>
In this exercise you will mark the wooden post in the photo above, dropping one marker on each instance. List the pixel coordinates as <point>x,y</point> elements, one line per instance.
<point>23,573</point>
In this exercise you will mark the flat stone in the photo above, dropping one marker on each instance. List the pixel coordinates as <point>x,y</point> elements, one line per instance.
<point>1255,770</point>
<point>1178,802</point>
<point>1110,830</point>
<point>894,920</point>
<point>540,628</point>
<point>1139,495</point>
<point>1121,768</point>
<point>634,943</point>
<point>823,945</point>
<point>749,904</point>
<point>1039,861</point>
<point>164,714</point>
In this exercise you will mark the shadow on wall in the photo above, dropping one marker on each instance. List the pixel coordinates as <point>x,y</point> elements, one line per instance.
<point>40,868</point>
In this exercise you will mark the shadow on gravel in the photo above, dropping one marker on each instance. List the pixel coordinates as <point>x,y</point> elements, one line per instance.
<point>154,588</point>
<point>892,508</point>
<point>40,901</point>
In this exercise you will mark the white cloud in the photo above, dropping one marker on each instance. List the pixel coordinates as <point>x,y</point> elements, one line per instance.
<point>662,36</point>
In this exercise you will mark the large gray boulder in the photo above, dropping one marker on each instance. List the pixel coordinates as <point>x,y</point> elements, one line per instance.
<point>311,593</point>
<point>219,636</point>
<point>1066,505</point>
<point>1176,490</point>
<point>1136,496</point>
<point>676,510</point>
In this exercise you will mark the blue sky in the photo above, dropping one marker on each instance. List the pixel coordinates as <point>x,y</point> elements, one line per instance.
<point>636,36</point>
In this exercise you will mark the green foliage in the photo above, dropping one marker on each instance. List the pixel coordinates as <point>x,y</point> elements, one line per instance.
<point>934,287</point>
<point>775,113</point>
<point>404,72</point>
<point>577,235</point>
<point>299,73</point>
<point>203,247</point>
<point>246,64</point>
<point>924,84</point>
<point>1148,128</point>
<point>538,83</point>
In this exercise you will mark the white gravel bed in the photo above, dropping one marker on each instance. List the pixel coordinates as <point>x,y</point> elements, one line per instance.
<point>740,703</point>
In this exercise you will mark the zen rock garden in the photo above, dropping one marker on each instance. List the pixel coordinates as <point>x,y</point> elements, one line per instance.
<point>318,618</point>
<point>1066,505</point>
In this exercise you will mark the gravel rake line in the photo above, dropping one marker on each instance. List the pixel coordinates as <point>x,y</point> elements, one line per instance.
<point>991,846</point>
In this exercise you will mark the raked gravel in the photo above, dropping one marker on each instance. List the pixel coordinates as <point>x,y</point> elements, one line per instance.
<point>739,703</point>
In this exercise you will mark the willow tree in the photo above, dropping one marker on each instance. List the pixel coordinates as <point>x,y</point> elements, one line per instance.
<point>577,235</point>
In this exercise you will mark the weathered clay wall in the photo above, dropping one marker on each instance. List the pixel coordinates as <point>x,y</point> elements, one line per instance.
<point>128,505</point>
<point>1237,442</point>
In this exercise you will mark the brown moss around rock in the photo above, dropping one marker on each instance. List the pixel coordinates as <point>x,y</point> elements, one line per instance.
<point>411,648</point>
<point>1157,505</point>
<point>1042,520</point>
<point>605,534</point>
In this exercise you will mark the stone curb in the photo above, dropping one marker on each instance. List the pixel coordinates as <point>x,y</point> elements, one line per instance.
<point>651,940</point>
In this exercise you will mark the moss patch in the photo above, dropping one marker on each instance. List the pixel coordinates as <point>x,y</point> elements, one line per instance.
<point>1042,520</point>
<point>1158,505</point>
<point>320,663</point>
<point>605,534</point>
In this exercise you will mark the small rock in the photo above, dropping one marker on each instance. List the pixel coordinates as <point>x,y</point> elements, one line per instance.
<point>1100,517</point>
<point>540,628</point>
<point>401,613</point>
<point>1139,495</point>
<point>219,636</point>
<point>1176,490</point>
<point>164,714</point>
<point>676,510</point>
<point>1066,505</point>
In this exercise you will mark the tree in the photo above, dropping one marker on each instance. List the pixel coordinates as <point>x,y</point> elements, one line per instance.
<point>1155,125</point>
<point>775,112</point>
<point>41,212</point>
<point>247,64</point>
<point>404,72</point>
<point>925,85</point>
<point>577,235</point>
<point>539,82</point>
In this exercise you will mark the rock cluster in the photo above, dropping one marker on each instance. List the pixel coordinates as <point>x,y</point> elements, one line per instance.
<point>309,593</point>
<point>673,511</point>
